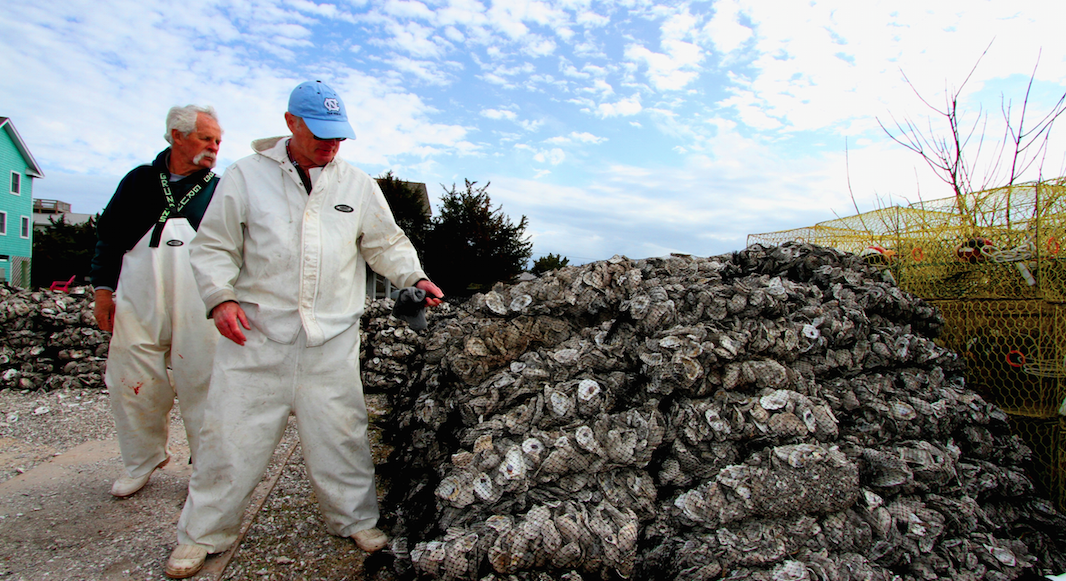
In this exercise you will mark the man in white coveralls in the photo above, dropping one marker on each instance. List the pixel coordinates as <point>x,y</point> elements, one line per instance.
<point>280,261</point>
<point>152,309</point>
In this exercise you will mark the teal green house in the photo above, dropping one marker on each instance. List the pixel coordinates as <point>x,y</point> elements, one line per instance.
<point>17,171</point>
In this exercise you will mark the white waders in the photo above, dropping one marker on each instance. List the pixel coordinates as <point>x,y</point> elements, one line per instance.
<point>159,321</point>
<point>253,389</point>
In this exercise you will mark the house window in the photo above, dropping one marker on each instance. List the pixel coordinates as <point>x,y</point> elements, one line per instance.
<point>3,223</point>
<point>16,183</point>
<point>25,233</point>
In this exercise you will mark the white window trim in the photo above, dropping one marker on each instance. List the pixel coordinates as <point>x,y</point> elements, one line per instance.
<point>18,193</point>
<point>3,223</point>
<point>25,225</point>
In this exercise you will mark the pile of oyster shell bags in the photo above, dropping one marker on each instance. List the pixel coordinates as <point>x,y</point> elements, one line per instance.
<point>49,340</point>
<point>771,414</point>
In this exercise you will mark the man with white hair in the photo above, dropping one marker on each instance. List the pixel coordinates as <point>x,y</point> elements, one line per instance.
<point>153,309</point>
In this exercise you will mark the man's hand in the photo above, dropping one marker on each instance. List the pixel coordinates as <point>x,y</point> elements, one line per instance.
<point>104,310</point>
<point>433,292</point>
<point>229,317</point>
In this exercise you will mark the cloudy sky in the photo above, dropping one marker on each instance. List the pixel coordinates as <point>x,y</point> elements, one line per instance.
<point>632,127</point>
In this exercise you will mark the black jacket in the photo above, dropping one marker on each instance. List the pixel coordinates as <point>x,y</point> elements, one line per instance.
<point>134,210</point>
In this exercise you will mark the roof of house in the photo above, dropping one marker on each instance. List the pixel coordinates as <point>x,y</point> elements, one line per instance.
<point>420,189</point>
<point>34,170</point>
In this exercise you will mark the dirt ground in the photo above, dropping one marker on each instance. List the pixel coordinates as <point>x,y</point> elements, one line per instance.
<point>58,521</point>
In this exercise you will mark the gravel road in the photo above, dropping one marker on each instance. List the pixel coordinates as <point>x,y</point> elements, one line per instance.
<point>57,521</point>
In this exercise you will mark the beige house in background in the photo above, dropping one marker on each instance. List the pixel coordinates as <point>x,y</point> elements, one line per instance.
<point>47,211</point>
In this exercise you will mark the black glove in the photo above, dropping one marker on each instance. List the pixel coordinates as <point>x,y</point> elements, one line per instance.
<point>410,306</point>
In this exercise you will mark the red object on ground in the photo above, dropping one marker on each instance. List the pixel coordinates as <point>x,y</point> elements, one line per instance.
<point>60,285</point>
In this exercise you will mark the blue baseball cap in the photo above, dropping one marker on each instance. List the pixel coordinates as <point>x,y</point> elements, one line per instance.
<point>321,109</point>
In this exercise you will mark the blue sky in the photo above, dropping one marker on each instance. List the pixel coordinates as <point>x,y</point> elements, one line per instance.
<point>637,128</point>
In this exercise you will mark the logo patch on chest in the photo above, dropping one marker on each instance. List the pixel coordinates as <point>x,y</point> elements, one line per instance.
<point>175,243</point>
<point>344,208</point>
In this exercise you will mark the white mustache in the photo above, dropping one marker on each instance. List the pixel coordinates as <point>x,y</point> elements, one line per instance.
<point>204,155</point>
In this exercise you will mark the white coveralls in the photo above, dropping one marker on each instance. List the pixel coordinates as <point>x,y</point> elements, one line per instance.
<point>159,321</point>
<point>295,262</point>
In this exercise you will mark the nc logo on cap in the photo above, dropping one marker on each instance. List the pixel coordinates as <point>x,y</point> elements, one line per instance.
<point>331,104</point>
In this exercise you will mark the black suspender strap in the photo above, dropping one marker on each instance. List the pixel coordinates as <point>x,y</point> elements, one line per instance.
<point>172,208</point>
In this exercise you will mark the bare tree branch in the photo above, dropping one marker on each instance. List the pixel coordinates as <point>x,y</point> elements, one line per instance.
<point>956,156</point>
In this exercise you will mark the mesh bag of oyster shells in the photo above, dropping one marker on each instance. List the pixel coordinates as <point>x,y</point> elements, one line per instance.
<point>49,340</point>
<point>389,349</point>
<point>775,413</point>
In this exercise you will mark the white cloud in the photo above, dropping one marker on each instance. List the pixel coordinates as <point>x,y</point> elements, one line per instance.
<point>569,70</point>
<point>519,70</point>
<point>495,79</point>
<point>531,125</point>
<point>594,70</point>
<point>553,156</point>
<point>724,30</point>
<point>466,13</point>
<point>576,137</point>
<point>506,17</point>
<point>598,87</point>
<point>589,50</point>
<point>454,34</point>
<point>498,114</point>
<point>592,19</point>
<point>416,39</point>
<point>427,71</point>
<point>537,46</point>
<point>678,64</point>
<point>751,111</point>
<point>671,70</point>
<point>407,9</point>
<point>287,34</point>
<point>623,108</point>
<point>815,65</point>
<point>394,123</point>
<point>586,137</point>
